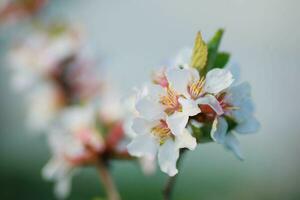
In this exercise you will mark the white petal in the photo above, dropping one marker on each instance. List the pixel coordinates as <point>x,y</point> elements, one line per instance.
<point>149,108</point>
<point>219,130</point>
<point>148,164</point>
<point>235,70</point>
<point>183,58</point>
<point>63,187</point>
<point>212,102</point>
<point>49,171</point>
<point>232,144</point>
<point>167,157</point>
<point>189,107</point>
<point>217,80</point>
<point>155,91</point>
<point>141,126</point>
<point>185,140</point>
<point>179,79</point>
<point>177,122</point>
<point>143,145</point>
<point>250,125</point>
<point>240,91</point>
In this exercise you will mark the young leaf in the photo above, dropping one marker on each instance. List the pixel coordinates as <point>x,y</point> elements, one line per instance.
<point>213,47</point>
<point>199,56</point>
<point>221,60</point>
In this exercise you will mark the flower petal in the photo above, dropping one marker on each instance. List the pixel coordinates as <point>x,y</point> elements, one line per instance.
<point>148,164</point>
<point>217,80</point>
<point>183,58</point>
<point>141,126</point>
<point>219,130</point>
<point>143,145</point>
<point>179,79</point>
<point>232,144</point>
<point>250,125</point>
<point>177,122</point>
<point>149,108</point>
<point>167,157</point>
<point>63,187</point>
<point>212,102</point>
<point>185,140</point>
<point>189,107</point>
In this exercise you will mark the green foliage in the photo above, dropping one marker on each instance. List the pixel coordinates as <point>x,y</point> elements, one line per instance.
<point>231,123</point>
<point>202,134</point>
<point>216,59</point>
<point>221,60</point>
<point>98,198</point>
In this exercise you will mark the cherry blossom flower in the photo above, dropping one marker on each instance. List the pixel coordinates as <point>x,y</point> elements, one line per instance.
<point>154,136</point>
<point>42,53</point>
<point>237,118</point>
<point>74,142</point>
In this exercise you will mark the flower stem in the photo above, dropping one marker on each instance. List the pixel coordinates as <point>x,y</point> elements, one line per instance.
<point>169,186</point>
<point>110,187</point>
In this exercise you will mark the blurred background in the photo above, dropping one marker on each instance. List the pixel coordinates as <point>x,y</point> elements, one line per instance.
<point>131,38</point>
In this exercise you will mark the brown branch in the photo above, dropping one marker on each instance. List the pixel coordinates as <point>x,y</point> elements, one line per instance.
<point>110,187</point>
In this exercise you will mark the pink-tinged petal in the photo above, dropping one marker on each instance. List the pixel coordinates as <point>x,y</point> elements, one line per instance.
<point>177,122</point>
<point>217,80</point>
<point>143,145</point>
<point>212,102</point>
<point>185,140</point>
<point>167,157</point>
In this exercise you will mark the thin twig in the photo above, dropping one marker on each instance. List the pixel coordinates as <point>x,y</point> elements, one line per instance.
<point>110,187</point>
<point>170,184</point>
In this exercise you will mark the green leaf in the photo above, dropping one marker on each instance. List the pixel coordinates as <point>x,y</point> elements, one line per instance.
<point>213,46</point>
<point>199,56</point>
<point>221,60</point>
<point>202,134</point>
<point>231,123</point>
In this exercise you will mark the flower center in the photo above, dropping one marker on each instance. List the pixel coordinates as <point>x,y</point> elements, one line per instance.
<point>225,105</point>
<point>170,101</point>
<point>161,131</point>
<point>195,89</point>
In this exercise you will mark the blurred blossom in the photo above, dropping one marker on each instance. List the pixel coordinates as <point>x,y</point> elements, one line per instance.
<point>87,139</point>
<point>43,53</point>
<point>44,102</point>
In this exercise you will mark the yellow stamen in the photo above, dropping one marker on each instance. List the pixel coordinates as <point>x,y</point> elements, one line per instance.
<point>170,101</point>
<point>196,88</point>
<point>161,132</point>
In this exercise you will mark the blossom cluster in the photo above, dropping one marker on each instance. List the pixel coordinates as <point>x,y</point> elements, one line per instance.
<point>193,101</point>
<point>70,100</point>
